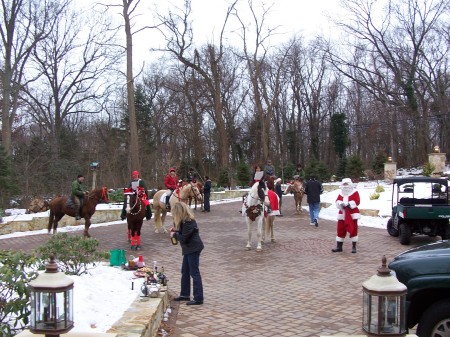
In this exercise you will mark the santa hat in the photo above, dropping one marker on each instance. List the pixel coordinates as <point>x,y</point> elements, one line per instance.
<point>135,173</point>
<point>172,169</point>
<point>277,180</point>
<point>347,182</point>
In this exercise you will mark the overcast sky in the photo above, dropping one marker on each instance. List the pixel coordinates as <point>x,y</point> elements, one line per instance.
<point>305,17</point>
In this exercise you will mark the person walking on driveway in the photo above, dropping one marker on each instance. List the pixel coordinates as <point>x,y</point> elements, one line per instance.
<point>313,190</point>
<point>187,233</point>
<point>206,195</point>
<point>347,203</point>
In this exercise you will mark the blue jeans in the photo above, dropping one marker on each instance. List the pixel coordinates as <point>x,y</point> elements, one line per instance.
<point>189,269</point>
<point>314,209</point>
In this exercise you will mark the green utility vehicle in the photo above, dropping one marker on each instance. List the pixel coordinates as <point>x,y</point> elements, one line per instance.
<point>420,206</point>
<point>425,271</point>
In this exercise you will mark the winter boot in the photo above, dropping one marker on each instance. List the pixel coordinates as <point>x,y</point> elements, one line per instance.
<point>338,247</point>
<point>167,202</point>
<point>148,212</point>
<point>77,216</point>
<point>123,214</point>
<point>353,247</point>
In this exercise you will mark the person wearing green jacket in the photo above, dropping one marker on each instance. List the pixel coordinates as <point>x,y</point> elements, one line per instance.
<point>78,193</point>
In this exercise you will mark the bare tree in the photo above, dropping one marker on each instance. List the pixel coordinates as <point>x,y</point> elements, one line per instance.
<point>24,24</point>
<point>392,56</point>
<point>74,68</point>
<point>178,34</point>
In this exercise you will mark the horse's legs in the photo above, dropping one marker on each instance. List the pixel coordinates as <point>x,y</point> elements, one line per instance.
<point>87,224</point>
<point>259,233</point>
<point>55,223</point>
<point>249,234</point>
<point>163,219</point>
<point>272,220</point>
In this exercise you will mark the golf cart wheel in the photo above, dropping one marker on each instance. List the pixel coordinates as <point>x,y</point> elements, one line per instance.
<point>391,229</point>
<point>405,234</point>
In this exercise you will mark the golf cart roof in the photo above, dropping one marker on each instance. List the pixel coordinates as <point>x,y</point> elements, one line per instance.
<point>408,180</point>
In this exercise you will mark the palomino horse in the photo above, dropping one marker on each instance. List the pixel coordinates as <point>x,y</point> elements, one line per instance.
<point>63,205</point>
<point>181,194</point>
<point>253,209</point>
<point>200,188</point>
<point>298,190</point>
<point>135,208</point>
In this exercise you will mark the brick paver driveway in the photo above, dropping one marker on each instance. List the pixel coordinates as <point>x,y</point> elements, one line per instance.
<point>294,287</point>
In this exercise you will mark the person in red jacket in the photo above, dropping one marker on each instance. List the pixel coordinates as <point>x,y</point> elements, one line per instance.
<point>347,203</point>
<point>171,183</point>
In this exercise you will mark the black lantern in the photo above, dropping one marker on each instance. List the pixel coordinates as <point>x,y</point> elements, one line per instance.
<point>51,302</point>
<point>384,299</point>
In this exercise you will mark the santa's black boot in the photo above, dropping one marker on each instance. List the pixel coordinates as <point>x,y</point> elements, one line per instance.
<point>338,247</point>
<point>353,247</point>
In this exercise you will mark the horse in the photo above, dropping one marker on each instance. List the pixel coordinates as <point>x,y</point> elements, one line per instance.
<point>64,205</point>
<point>136,209</point>
<point>269,219</point>
<point>298,190</point>
<point>181,194</point>
<point>253,209</point>
<point>200,188</point>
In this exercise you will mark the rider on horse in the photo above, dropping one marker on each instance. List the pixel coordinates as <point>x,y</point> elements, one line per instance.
<point>78,192</point>
<point>134,184</point>
<point>171,183</point>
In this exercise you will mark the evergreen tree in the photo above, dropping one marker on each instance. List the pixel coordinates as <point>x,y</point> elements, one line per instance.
<point>378,162</point>
<point>339,133</point>
<point>243,174</point>
<point>355,168</point>
<point>8,185</point>
<point>318,169</point>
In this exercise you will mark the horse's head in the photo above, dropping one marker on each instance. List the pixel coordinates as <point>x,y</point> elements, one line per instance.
<point>99,194</point>
<point>258,194</point>
<point>195,192</point>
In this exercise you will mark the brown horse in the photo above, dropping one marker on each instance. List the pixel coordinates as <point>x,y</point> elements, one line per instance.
<point>135,208</point>
<point>298,190</point>
<point>63,205</point>
<point>181,194</point>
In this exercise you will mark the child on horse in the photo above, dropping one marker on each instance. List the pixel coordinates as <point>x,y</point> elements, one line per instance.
<point>134,184</point>
<point>171,183</point>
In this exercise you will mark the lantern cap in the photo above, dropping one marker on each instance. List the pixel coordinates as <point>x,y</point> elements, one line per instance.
<point>52,279</point>
<point>384,281</point>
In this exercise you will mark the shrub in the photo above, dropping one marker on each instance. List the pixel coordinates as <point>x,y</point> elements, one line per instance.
<point>73,253</point>
<point>428,169</point>
<point>243,174</point>
<point>16,272</point>
<point>379,189</point>
<point>116,196</point>
<point>374,196</point>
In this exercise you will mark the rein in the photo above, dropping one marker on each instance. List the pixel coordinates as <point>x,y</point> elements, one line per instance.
<point>140,205</point>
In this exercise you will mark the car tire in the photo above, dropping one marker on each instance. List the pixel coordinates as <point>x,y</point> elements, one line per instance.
<point>445,235</point>
<point>405,234</point>
<point>435,321</point>
<point>391,229</point>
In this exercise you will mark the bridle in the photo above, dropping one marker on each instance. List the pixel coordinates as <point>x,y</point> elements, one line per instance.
<point>137,200</point>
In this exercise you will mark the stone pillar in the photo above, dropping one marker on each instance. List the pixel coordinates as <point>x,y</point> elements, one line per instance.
<point>438,161</point>
<point>390,170</point>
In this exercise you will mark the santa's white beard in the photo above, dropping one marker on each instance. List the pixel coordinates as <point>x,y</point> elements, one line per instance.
<point>346,190</point>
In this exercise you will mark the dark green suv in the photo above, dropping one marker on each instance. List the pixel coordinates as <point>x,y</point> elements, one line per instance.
<point>426,273</point>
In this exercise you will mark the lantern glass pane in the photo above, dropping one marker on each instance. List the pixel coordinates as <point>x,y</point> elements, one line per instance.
<point>366,310</point>
<point>391,314</point>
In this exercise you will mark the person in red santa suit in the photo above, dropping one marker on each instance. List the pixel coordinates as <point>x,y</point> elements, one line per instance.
<point>272,211</point>
<point>347,203</point>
